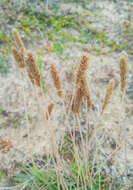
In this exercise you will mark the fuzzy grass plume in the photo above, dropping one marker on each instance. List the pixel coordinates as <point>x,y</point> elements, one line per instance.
<point>108,94</point>
<point>81,70</point>
<point>50,108</point>
<point>32,69</point>
<point>123,70</point>
<point>77,101</point>
<point>86,93</point>
<point>19,58</point>
<point>18,40</point>
<point>81,90</point>
<point>56,79</point>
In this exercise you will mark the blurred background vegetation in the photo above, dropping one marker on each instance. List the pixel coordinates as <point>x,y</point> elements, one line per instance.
<point>59,23</point>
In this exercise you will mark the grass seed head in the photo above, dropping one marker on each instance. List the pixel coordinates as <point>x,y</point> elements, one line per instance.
<point>123,70</point>
<point>82,68</point>
<point>85,90</point>
<point>19,58</point>
<point>18,40</point>
<point>50,108</point>
<point>32,68</point>
<point>31,77</point>
<point>84,63</point>
<point>77,101</point>
<point>56,79</point>
<point>108,94</point>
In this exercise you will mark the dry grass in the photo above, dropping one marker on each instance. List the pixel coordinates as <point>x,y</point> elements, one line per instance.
<point>108,94</point>
<point>32,68</point>
<point>123,70</point>
<point>19,58</point>
<point>81,87</point>
<point>56,79</point>
<point>81,70</point>
<point>18,40</point>
<point>50,108</point>
<point>87,141</point>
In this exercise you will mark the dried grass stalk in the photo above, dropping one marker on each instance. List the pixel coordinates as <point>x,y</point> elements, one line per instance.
<point>68,99</point>
<point>50,108</point>
<point>56,79</point>
<point>19,58</point>
<point>81,70</point>
<point>18,40</point>
<point>32,69</point>
<point>108,94</point>
<point>123,70</point>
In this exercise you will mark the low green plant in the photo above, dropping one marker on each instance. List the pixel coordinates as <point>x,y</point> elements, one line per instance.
<point>3,67</point>
<point>1,110</point>
<point>58,47</point>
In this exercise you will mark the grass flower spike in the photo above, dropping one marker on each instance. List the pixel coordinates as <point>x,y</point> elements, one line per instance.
<point>19,58</point>
<point>108,94</point>
<point>56,79</point>
<point>123,70</point>
<point>18,40</point>
<point>32,68</point>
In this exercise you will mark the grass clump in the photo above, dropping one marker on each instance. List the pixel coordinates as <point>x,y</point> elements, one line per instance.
<point>78,173</point>
<point>76,161</point>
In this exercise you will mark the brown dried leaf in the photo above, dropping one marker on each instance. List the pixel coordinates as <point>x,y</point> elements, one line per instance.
<point>5,145</point>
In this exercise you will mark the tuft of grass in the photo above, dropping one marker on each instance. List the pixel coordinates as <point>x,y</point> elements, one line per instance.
<point>58,47</point>
<point>86,176</point>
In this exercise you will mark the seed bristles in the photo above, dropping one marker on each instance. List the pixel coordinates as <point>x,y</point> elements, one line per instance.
<point>81,88</point>
<point>56,79</point>
<point>19,58</point>
<point>81,70</point>
<point>32,69</point>
<point>86,93</point>
<point>108,94</point>
<point>18,40</point>
<point>77,101</point>
<point>123,70</point>
<point>50,108</point>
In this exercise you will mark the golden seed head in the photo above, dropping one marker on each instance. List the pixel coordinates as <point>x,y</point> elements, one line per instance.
<point>56,79</point>
<point>85,90</point>
<point>81,70</point>
<point>84,63</point>
<point>77,101</point>
<point>108,94</point>
<point>19,58</point>
<point>125,55</point>
<point>123,70</point>
<point>32,68</point>
<point>50,108</point>
<point>30,76</point>
<point>18,40</point>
